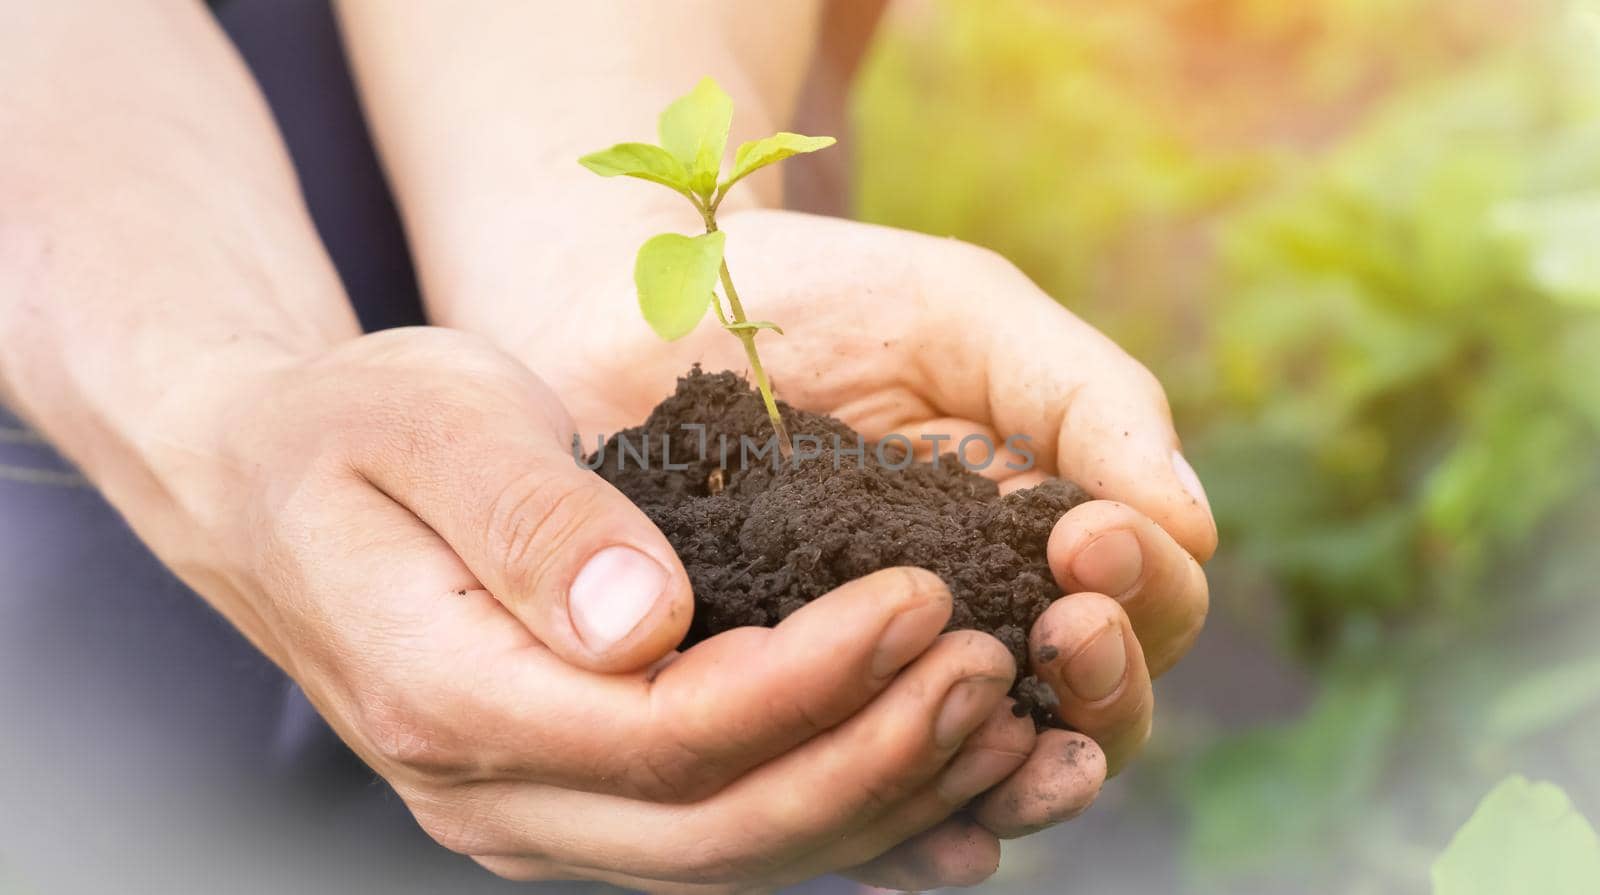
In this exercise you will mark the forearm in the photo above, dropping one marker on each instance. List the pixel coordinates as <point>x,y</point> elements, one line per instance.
<point>153,246</point>
<point>482,108</point>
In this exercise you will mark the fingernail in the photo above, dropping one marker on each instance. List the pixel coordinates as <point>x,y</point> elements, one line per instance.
<point>965,707</point>
<point>1096,670</point>
<point>612,594</point>
<point>1190,481</point>
<point>1110,564</point>
<point>974,772</point>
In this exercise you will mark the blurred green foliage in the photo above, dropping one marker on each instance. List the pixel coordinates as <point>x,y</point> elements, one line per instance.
<point>1360,242</point>
<point>1523,837</point>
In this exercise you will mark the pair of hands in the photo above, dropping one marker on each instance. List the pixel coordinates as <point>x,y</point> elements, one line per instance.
<point>491,627</point>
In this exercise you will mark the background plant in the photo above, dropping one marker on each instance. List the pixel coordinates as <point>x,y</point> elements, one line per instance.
<point>1523,837</point>
<point>676,275</point>
<point>1356,242</point>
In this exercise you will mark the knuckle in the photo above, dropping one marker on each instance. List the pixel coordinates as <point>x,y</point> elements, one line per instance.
<point>529,521</point>
<point>876,795</point>
<point>419,343</point>
<point>1148,388</point>
<point>980,257</point>
<point>1104,512</point>
<point>670,772</point>
<point>423,353</point>
<point>912,584</point>
<point>398,441</point>
<point>404,740</point>
<point>447,828</point>
<point>464,820</point>
<point>980,655</point>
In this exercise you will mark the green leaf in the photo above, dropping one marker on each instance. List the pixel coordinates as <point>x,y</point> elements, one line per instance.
<point>674,275</point>
<point>753,325</point>
<point>695,130</point>
<point>640,160</point>
<point>1524,837</point>
<point>759,153</point>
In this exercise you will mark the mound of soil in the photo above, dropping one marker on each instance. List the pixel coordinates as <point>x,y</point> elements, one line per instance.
<point>761,539</point>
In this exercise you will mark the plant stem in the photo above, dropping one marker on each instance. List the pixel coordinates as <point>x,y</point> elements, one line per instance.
<point>748,337</point>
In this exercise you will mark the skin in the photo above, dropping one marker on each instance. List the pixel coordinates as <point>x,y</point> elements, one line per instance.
<point>395,519</point>
<point>889,330</point>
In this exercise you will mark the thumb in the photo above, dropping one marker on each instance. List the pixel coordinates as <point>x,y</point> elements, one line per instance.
<point>1091,412</point>
<point>1102,420</point>
<point>489,467</point>
<point>582,567</point>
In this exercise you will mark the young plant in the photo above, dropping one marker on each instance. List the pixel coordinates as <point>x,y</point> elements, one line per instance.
<point>676,275</point>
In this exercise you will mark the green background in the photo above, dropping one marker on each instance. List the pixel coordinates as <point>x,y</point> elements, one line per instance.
<point>1360,243</point>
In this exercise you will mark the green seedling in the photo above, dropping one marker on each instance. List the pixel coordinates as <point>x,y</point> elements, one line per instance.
<point>676,275</point>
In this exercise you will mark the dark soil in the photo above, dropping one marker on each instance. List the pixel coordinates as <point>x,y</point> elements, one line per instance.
<point>760,542</point>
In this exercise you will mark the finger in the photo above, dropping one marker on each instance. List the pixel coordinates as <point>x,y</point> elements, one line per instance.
<point>907,823</point>
<point>570,556</point>
<point>957,852</point>
<point>1111,548</point>
<point>468,694</point>
<point>534,870</point>
<point>425,674</point>
<point>882,756</point>
<point>1099,418</point>
<point>1060,780</point>
<point>730,703</point>
<point>505,710</point>
<point>952,852</point>
<point>1016,361</point>
<point>747,695</point>
<point>989,756</point>
<point>1083,646</point>
<point>1027,366</point>
<point>1003,732</point>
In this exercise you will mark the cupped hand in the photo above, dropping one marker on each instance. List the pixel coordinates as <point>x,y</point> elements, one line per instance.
<point>401,526</point>
<point>899,332</point>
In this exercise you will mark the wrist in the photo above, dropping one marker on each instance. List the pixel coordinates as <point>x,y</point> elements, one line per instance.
<point>135,390</point>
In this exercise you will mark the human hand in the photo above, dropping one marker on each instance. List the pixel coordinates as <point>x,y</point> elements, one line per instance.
<point>400,524</point>
<point>898,332</point>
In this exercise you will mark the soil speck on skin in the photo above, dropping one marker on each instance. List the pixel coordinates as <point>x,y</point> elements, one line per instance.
<point>1069,755</point>
<point>760,542</point>
<point>1048,653</point>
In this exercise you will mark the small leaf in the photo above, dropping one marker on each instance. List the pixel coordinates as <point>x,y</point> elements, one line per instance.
<point>695,130</point>
<point>1524,837</point>
<point>675,275</point>
<point>758,154</point>
<point>640,160</point>
<point>753,325</point>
